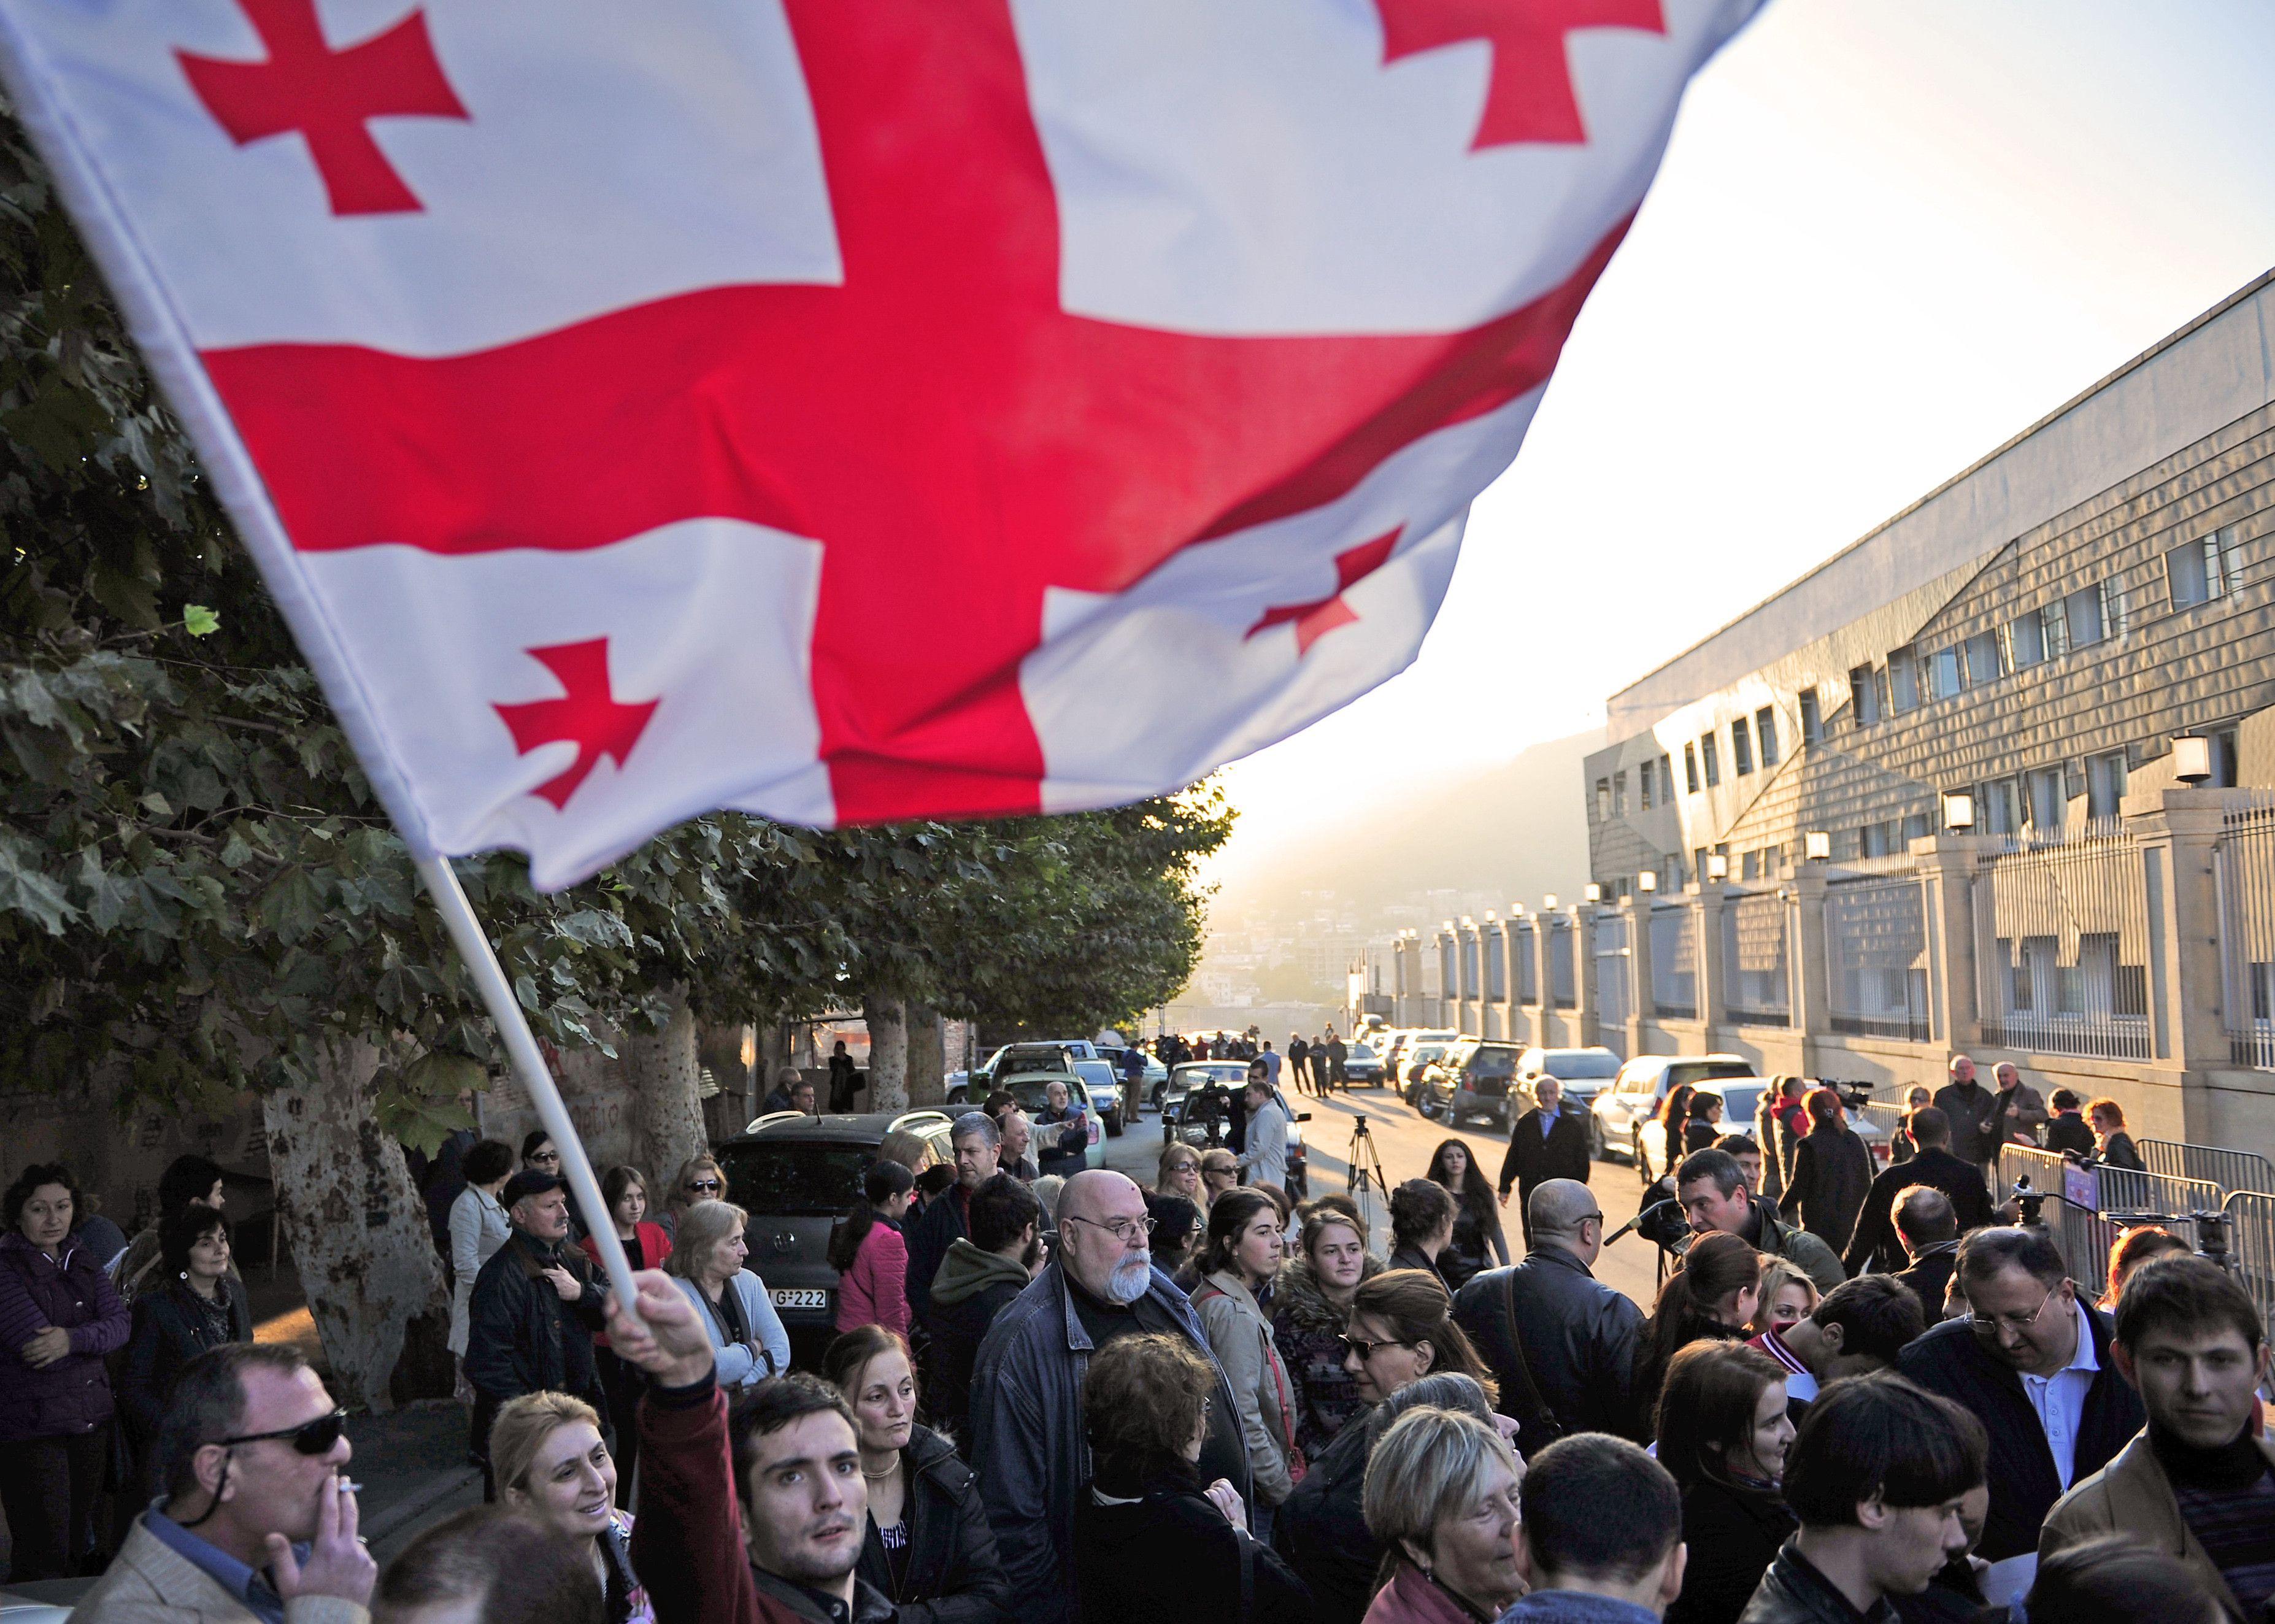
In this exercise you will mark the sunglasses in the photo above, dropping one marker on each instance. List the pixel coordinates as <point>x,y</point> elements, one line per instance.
<point>703,1184</point>
<point>315,1437</point>
<point>1365,1349</point>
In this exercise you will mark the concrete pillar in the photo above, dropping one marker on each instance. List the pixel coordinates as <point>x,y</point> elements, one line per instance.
<point>1637,908</point>
<point>1706,900</point>
<point>1811,1007</point>
<point>1946,864</point>
<point>1513,1020</point>
<point>2185,973</point>
<point>1586,1000</point>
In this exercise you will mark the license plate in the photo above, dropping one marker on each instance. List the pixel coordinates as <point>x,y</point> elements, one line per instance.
<point>815,1298</point>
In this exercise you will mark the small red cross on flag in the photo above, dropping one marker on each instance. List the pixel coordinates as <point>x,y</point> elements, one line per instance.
<point>925,408</point>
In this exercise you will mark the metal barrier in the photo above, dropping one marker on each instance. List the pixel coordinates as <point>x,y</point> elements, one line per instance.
<point>2231,1170</point>
<point>2085,1238</point>
<point>1890,1117</point>
<point>2043,1168</point>
<point>2125,1191</point>
<point>2251,1237</point>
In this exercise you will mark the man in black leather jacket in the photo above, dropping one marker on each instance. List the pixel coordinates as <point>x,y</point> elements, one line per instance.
<point>1577,1335</point>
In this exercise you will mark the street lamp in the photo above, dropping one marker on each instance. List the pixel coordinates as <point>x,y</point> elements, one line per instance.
<point>1817,845</point>
<point>1594,892</point>
<point>1647,881</point>
<point>2192,758</point>
<point>1548,903</point>
<point>1958,811</point>
<point>1717,867</point>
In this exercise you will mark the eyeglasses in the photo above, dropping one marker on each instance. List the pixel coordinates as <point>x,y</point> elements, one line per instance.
<point>552,1156</point>
<point>2016,1323</point>
<point>700,1184</point>
<point>1597,1216</point>
<point>1123,1230</point>
<point>315,1437</point>
<point>1365,1349</point>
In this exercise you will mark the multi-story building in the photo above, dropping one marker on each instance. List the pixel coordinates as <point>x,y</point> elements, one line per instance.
<point>1991,779</point>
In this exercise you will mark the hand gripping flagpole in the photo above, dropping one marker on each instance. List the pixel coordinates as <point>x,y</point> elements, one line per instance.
<point>473,945</point>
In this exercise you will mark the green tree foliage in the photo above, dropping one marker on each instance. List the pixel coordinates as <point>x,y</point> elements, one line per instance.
<point>197,884</point>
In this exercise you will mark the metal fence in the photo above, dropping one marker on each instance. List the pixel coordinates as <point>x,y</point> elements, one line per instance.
<point>2243,865</point>
<point>1756,976</point>
<point>1496,965</point>
<point>2043,1168</point>
<point>2061,945</point>
<point>2251,1236</point>
<point>1613,978</point>
<point>1563,969</point>
<point>2123,1190</point>
<point>1875,959</point>
<point>1674,962</point>
<point>2230,1170</point>
<point>1528,967</point>
<point>2085,1238</point>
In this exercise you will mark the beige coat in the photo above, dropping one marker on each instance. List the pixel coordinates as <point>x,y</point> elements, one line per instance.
<point>149,1582</point>
<point>1241,1338</point>
<point>2131,1496</point>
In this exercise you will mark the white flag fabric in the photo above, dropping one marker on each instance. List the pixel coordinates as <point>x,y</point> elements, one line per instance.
<point>925,408</point>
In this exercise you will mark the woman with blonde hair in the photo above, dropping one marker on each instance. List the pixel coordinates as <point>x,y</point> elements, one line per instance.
<point>1785,1296</point>
<point>700,1179</point>
<point>1180,1174</point>
<point>706,1262</point>
<point>1311,1305</point>
<point>1220,1171</point>
<point>1441,1497</point>
<point>552,1465</point>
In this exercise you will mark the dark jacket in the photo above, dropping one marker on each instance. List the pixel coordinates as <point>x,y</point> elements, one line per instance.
<point>1974,1113</point>
<point>1062,1141</point>
<point>521,1337</point>
<point>1027,1436</point>
<point>1308,1330</point>
<point>1533,1157</point>
<point>951,1573</point>
<point>1321,1529</point>
<point>1161,1551</point>
<point>2069,1132</point>
<point>971,1288</point>
<point>1832,1171</point>
<point>1952,1360</point>
<point>2121,1152</point>
<point>687,1544</point>
<point>1793,1593</point>
<point>1734,1535</point>
<point>1930,1279</point>
<point>1479,1243</point>
<point>1875,1246</point>
<point>1413,1258</point>
<point>73,1395</point>
<point>1579,1338</point>
<point>939,1227</point>
<point>172,1328</point>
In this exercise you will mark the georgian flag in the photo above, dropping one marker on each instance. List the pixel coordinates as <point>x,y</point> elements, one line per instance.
<point>846,411</point>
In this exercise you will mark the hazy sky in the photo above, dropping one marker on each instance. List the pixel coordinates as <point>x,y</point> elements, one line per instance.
<point>1888,235</point>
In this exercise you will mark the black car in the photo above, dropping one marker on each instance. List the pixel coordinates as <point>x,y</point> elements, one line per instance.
<point>1471,1078</point>
<point>797,1175</point>
<point>1363,1066</point>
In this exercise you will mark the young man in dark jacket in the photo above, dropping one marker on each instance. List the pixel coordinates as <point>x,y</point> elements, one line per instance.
<point>1876,1246</point>
<point>2032,1363</point>
<point>980,1276</point>
<point>1876,1475</point>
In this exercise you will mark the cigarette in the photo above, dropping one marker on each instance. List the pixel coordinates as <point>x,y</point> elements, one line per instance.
<point>347,1487</point>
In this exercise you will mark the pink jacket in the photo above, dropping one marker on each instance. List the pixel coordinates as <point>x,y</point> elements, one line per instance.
<point>874,1291</point>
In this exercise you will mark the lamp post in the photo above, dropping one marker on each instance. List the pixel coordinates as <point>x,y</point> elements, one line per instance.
<point>2192,758</point>
<point>1817,845</point>
<point>1647,881</point>
<point>1958,811</point>
<point>1594,892</point>
<point>1717,867</point>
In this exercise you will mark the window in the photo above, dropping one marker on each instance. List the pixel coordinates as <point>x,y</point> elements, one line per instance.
<point>1643,775</point>
<point>1667,781</point>
<point>1690,767</point>
<point>2104,785</point>
<point>2081,610</point>
<point>1603,799</point>
<point>1987,662</point>
<point>2001,801</point>
<point>1863,696</point>
<point>1706,753</point>
<point>1874,840</point>
<point>1698,864</point>
<point>1749,865</point>
<point>2193,572</point>
<point>2026,641</point>
<point>1741,748</point>
<point>1903,681</point>
<point>1943,673</point>
<point>1917,826</point>
<point>1812,725</point>
<point>1765,734</point>
<point>1618,795</point>
<point>2049,801</point>
<point>2223,760</point>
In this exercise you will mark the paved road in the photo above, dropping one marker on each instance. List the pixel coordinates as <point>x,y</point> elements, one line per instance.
<point>1405,1140</point>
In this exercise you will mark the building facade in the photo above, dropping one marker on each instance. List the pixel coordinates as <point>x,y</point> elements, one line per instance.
<point>1993,778</point>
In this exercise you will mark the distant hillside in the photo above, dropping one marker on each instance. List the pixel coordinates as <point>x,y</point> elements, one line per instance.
<point>1518,831</point>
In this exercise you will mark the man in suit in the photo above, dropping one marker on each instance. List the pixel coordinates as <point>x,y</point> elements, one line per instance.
<point>1876,1245</point>
<point>1930,1232</point>
<point>1543,1144</point>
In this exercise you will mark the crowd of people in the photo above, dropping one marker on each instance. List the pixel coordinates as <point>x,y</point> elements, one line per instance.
<point>1071,1398</point>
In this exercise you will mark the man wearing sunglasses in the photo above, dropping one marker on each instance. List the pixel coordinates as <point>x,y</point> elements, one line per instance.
<point>259,1520</point>
<point>2032,1362</point>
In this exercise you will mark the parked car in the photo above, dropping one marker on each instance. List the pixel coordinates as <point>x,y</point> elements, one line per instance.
<point>1582,1073</point>
<point>1032,1090</point>
<point>797,1175</point>
<point>1056,1055</point>
<point>1195,1073</point>
<point>1362,1065</point>
<point>1202,1119</point>
<point>1426,1050</point>
<point>1106,1089</point>
<point>1471,1078</point>
<point>1633,1098</point>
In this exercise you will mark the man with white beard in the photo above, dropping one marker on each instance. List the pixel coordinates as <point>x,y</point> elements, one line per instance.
<point>1028,1441</point>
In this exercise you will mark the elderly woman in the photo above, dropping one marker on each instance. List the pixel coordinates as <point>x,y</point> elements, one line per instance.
<point>708,1262</point>
<point>1151,1541</point>
<point>927,1547</point>
<point>1723,1432</point>
<point>1219,1173</point>
<point>190,1302</point>
<point>58,1318</point>
<point>1311,1310</point>
<point>700,1179</point>
<point>1441,1497</point>
<point>1242,1256</point>
<point>553,1466</point>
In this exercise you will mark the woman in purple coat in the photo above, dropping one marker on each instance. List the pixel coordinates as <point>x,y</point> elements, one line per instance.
<point>58,1318</point>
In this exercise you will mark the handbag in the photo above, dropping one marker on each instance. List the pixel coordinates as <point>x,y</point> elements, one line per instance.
<point>1540,1416</point>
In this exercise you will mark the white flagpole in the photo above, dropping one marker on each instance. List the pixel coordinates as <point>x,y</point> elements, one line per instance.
<point>473,944</point>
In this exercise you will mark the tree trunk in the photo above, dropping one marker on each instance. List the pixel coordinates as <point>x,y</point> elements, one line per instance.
<point>888,1051</point>
<point>360,1234</point>
<point>663,1074</point>
<point>927,1062</point>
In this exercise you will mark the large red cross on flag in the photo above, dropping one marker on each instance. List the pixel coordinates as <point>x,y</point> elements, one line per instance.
<point>923,408</point>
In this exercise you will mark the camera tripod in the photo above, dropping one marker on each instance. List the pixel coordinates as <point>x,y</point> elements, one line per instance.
<point>1365,1164</point>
